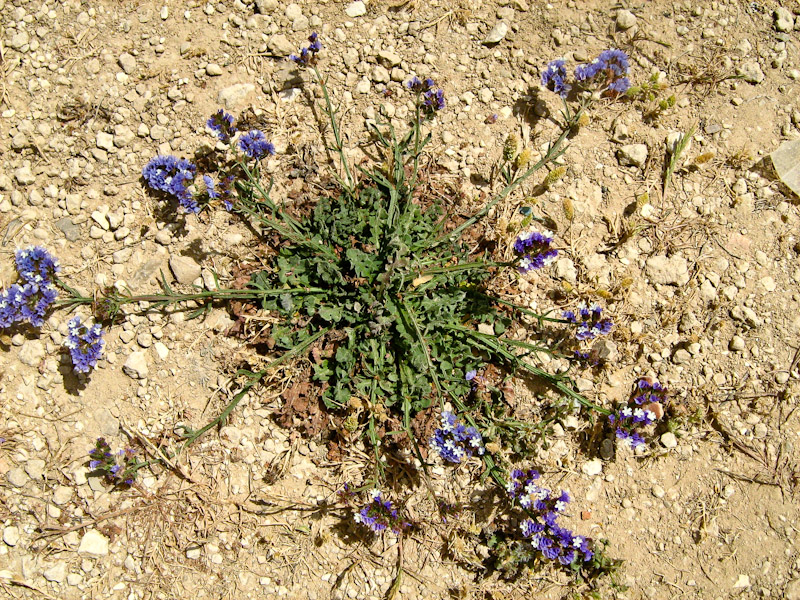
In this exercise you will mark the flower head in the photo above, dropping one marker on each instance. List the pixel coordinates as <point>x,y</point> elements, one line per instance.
<point>173,176</point>
<point>433,100</point>
<point>36,265</point>
<point>534,251</point>
<point>255,145</point>
<point>610,69</point>
<point>308,55</point>
<point>85,344</point>
<point>554,78</point>
<point>379,514</point>
<point>589,321</point>
<point>221,123</point>
<point>455,442</point>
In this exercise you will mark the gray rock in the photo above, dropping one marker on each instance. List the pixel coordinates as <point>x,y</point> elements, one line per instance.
<point>127,62</point>
<point>31,353</point>
<point>71,231</point>
<point>784,20</point>
<point>667,271</point>
<point>135,366</point>
<point>625,20</point>
<point>57,573</point>
<point>607,449</point>
<point>356,9</point>
<point>634,155</point>
<point>107,424</point>
<point>751,72</point>
<point>185,269</point>
<point>94,544</point>
<point>280,45</point>
<point>17,477</point>
<point>606,350</point>
<point>235,95</point>
<point>496,35</point>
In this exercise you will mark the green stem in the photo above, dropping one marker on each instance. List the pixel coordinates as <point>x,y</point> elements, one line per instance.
<point>336,133</point>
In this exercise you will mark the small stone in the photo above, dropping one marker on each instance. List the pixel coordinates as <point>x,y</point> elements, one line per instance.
<point>768,283</point>
<point>784,20</point>
<point>781,377</point>
<point>363,86</point>
<point>94,543</point>
<point>185,269</point>
<point>11,535</point>
<point>35,468</point>
<point>356,9</point>
<point>497,33</point>
<point>593,467</point>
<point>607,449</point>
<point>107,424</point>
<point>389,59</point>
<point>24,176</point>
<point>737,344</point>
<point>681,357</point>
<point>658,491</point>
<point>161,350</point>
<point>17,477</point>
<point>127,62</point>
<point>625,20</point>
<point>669,440</point>
<point>743,581</point>
<point>135,366</point>
<point>213,70</point>
<point>792,591</point>
<point>266,7</point>
<point>20,40</point>
<point>193,553</point>
<point>751,72</point>
<point>667,271</point>
<point>633,155</point>
<point>74,579</point>
<point>57,573</point>
<point>379,74</point>
<point>280,45</point>
<point>31,353</point>
<point>105,141</point>
<point>61,495</point>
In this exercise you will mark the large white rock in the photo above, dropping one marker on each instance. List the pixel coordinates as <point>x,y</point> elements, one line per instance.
<point>93,543</point>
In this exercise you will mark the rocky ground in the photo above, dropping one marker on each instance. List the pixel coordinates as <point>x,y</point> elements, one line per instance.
<point>701,278</point>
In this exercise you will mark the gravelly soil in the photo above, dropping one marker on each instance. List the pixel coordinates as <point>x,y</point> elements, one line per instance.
<point>701,279</point>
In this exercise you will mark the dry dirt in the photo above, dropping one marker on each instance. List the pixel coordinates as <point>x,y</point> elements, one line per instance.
<point>701,279</point>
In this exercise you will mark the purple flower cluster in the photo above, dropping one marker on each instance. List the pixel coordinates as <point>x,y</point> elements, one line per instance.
<point>173,176</point>
<point>85,345</point>
<point>454,442</point>
<point>610,68</point>
<point>379,515</point>
<point>255,145</point>
<point>119,468</point>
<point>541,527</point>
<point>589,321</point>
<point>554,78</point>
<point>534,250</point>
<point>221,123</point>
<point>432,97</point>
<point>30,299</point>
<point>646,408</point>
<point>308,55</point>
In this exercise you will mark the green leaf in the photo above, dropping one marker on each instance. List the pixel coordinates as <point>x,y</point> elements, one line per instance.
<point>332,314</point>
